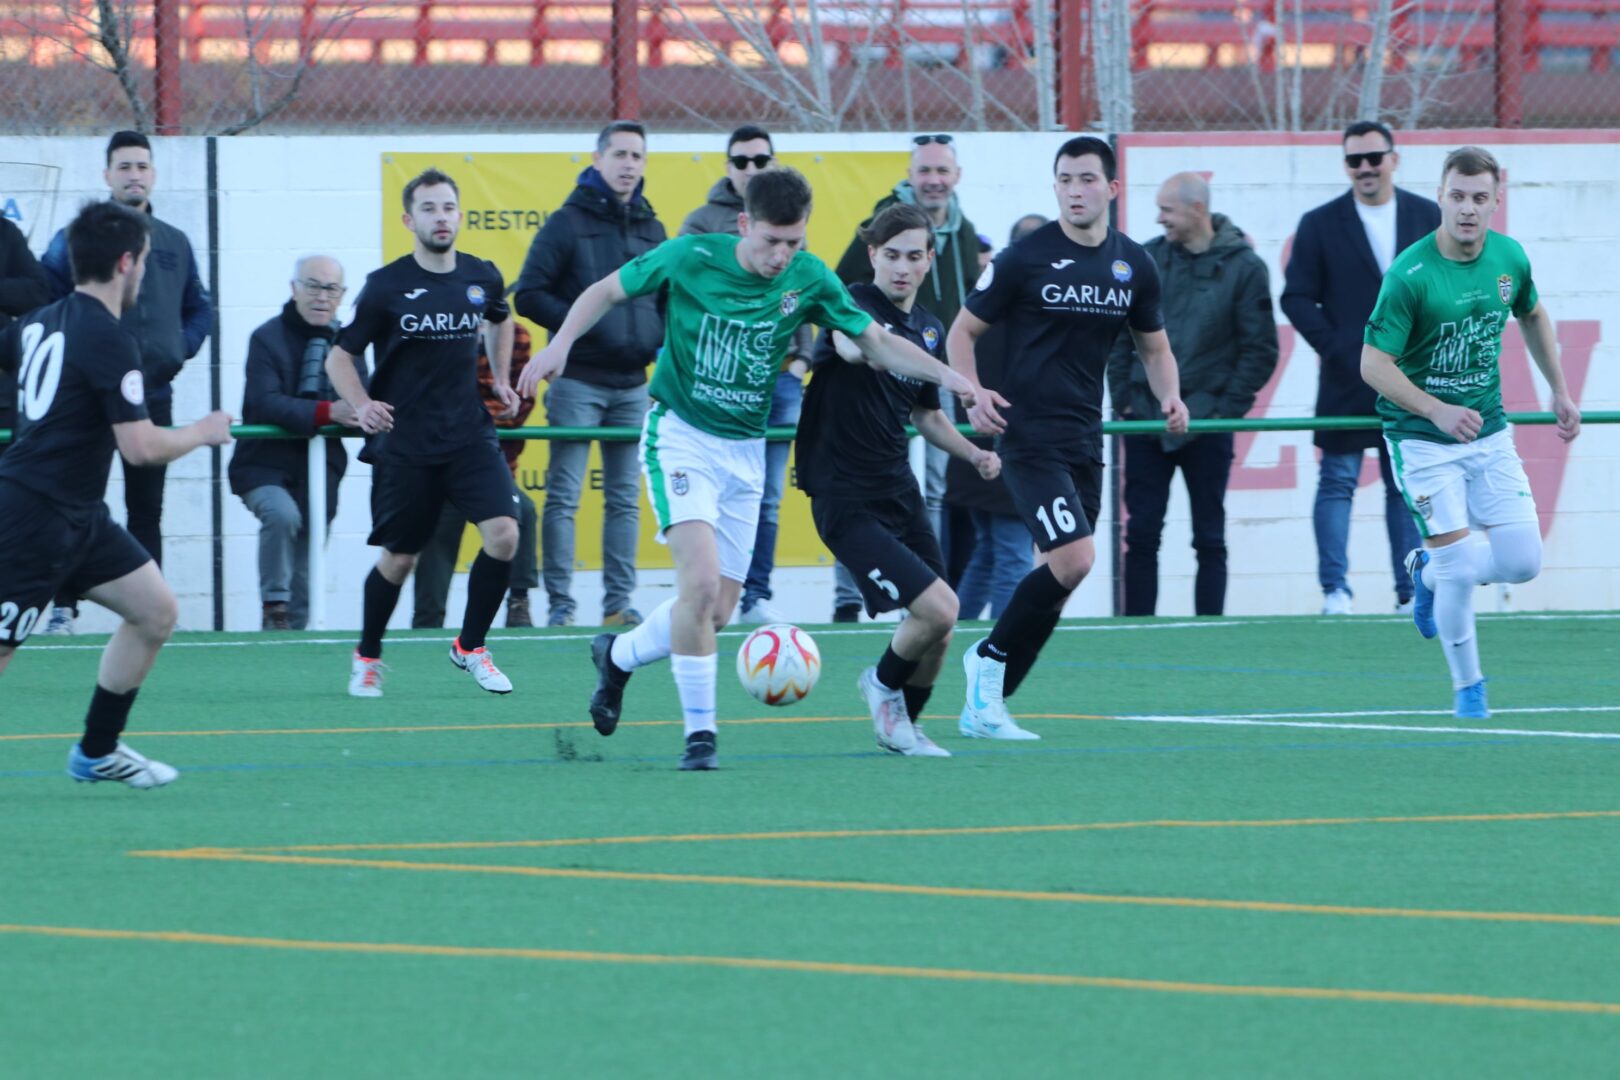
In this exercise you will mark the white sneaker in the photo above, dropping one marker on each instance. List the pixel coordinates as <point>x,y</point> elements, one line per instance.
<point>761,613</point>
<point>1336,602</point>
<point>478,664</point>
<point>124,765</point>
<point>365,677</point>
<point>984,715</point>
<point>925,747</point>
<point>890,722</point>
<point>61,624</point>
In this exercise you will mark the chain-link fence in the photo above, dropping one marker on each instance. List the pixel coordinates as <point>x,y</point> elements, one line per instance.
<point>352,65</point>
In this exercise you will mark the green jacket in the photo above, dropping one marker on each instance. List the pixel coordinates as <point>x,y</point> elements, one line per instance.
<point>1217,311</point>
<point>956,258</point>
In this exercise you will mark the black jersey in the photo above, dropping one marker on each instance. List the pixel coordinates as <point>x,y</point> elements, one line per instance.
<point>423,328</point>
<point>1065,303</point>
<point>78,373</point>
<point>852,430</point>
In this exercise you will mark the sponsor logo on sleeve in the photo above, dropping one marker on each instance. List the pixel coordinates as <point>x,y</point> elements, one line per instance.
<point>985,278</point>
<point>133,387</point>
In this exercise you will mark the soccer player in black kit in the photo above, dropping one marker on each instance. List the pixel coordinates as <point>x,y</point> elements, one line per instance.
<point>80,395</point>
<point>864,498</point>
<point>1067,290</point>
<point>430,439</point>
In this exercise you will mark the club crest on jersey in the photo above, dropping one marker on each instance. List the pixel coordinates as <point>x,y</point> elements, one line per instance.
<point>678,483</point>
<point>790,302</point>
<point>1504,288</point>
<point>1424,506</point>
<point>475,294</point>
<point>133,387</point>
<point>1122,270</point>
<point>931,338</point>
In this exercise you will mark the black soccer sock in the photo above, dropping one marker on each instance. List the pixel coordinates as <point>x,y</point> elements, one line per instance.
<point>381,597</point>
<point>486,588</point>
<point>1018,666</point>
<point>893,670</point>
<point>1027,622</point>
<point>105,721</point>
<point>916,698</point>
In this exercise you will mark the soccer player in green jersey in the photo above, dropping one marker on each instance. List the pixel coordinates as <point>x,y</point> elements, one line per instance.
<point>1430,350</point>
<point>733,305</point>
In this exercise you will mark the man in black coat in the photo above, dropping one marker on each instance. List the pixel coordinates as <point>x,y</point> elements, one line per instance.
<point>1341,250</point>
<point>287,385</point>
<point>605,223</point>
<point>23,287</point>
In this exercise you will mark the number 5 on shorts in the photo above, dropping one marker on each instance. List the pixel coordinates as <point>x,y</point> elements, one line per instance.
<point>1060,512</point>
<point>889,587</point>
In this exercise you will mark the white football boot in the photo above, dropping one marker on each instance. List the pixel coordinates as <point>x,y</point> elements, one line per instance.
<point>478,664</point>
<point>890,723</point>
<point>984,715</point>
<point>365,677</point>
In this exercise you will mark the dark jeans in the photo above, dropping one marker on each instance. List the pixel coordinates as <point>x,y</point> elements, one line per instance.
<point>143,499</point>
<point>1335,496</point>
<point>431,585</point>
<point>1205,463</point>
<point>1002,555</point>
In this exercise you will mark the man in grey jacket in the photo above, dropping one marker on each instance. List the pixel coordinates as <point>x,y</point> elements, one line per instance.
<point>171,319</point>
<point>749,151</point>
<point>605,223</point>
<point>1217,311</point>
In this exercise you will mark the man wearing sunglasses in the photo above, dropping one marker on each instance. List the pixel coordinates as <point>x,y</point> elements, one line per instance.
<point>286,385</point>
<point>749,151</point>
<point>1341,250</point>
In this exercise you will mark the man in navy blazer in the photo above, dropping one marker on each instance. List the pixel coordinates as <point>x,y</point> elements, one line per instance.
<point>1341,250</point>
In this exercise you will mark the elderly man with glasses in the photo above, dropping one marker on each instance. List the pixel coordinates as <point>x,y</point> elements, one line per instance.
<point>287,385</point>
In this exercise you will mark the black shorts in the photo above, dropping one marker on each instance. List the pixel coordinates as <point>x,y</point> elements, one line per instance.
<point>1059,499</point>
<point>406,500</point>
<point>886,544</point>
<point>44,552</point>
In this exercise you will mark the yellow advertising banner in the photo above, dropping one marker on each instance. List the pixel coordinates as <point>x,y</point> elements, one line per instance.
<point>505,199</point>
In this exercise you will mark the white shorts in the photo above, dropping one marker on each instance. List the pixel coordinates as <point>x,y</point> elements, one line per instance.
<point>1449,487</point>
<point>695,476</point>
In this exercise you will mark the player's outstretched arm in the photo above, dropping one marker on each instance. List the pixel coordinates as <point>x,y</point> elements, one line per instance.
<point>586,311</point>
<point>371,415</point>
<point>891,352</point>
<point>1164,377</point>
<point>938,431</point>
<point>1378,370</point>
<point>984,412</point>
<point>144,443</point>
<point>1541,339</point>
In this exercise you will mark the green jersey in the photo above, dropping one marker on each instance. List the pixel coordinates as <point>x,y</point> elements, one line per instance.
<point>1442,320</point>
<point>727,330</point>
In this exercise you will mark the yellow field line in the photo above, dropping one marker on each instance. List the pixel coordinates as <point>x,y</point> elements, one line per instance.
<point>1162,986</point>
<point>976,830</point>
<point>886,888</point>
<point>407,729</point>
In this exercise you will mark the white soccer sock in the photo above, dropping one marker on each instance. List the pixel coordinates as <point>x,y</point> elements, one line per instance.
<point>1454,582</point>
<point>1515,552</point>
<point>647,643</point>
<point>694,682</point>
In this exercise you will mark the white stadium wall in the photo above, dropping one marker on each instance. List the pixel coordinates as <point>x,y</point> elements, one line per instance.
<point>279,198</point>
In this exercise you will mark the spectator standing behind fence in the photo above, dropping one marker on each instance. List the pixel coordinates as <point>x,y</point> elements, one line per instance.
<point>1002,552</point>
<point>749,150</point>
<point>171,319</point>
<point>23,287</point>
<point>1217,311</point>
<point>286,385</point>
<point>438,560</point>
<point>604,224</point>
<point>930,184</point>
<point>1341,250</point>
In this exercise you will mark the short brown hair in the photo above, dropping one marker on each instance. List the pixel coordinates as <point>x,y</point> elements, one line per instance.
<point>428,178</point>
<point>1471,161</point>
<point>778,196</point>
<point>894,220</point>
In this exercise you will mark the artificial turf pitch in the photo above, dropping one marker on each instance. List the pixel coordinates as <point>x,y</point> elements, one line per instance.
<point>1338,880</point>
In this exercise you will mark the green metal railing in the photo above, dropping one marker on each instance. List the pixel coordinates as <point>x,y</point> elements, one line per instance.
<point>1111,427</point>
